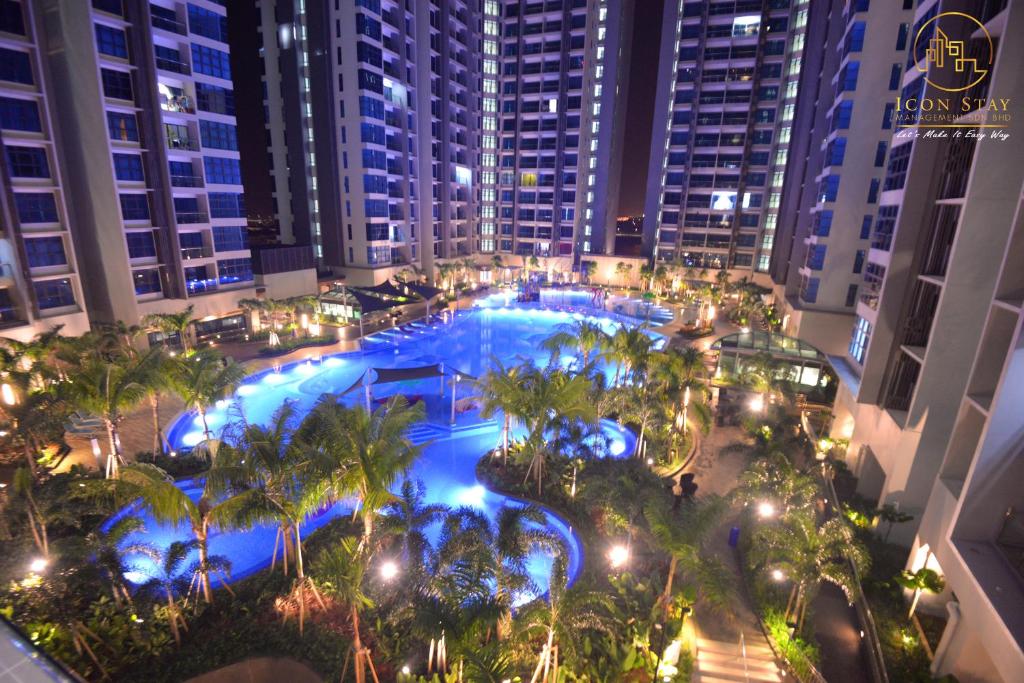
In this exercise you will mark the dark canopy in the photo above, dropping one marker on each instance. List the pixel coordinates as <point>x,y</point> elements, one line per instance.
<point>425,291</point>
<point>389,375</point>
<point>386,288</point>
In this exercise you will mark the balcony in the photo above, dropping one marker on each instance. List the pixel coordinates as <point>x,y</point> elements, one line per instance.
<point>191,217</point>
<point>940,240</point>
<point>186,181</point>
<point>167,24</point>
<point>173,65</point>
<point>187,144</point>
<point>201,286</point>
<point>181,104</point>
<point>192,253</point>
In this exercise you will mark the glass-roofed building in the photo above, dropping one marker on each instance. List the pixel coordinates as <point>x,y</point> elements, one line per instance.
<point>799,362</point>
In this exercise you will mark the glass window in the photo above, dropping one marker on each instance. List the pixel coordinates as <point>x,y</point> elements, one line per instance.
<point>207,60</point>
<point>111,41</point>
<point>809,289</point>
<point>45,251</point>
<point>230,237</point>
<point>146,281</point>
<point>27,162</point>
<point>222,170</point>
<point>15,66</point>
<point>141,245</point>
<point>218,135</point>
<point>215,99</point>
<point>122,127</point>
<point>227,205</point>
<point>134,207</point>
<point>11,20</point>
<point>128,167</point>
<point>236,270</point>
<point>196,280</point>
<point>206,23</point>
<point>859,341</point>
<point>54,293</point>
<point>117,84</point>
<point>36,207</point>
<point>18,114</point>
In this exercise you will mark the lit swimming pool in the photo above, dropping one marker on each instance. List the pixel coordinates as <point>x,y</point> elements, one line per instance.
<point>447,465</point>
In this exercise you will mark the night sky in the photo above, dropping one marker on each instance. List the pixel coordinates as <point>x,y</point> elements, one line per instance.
<point>643,81</point>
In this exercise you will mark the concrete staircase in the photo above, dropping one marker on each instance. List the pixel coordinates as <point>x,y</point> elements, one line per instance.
<point>721,662</point>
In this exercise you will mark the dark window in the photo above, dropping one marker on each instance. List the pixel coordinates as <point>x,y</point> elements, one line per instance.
<point>209,24</point>
<point>890,109</point>
<point>235,270</point>
<point>109,6</point>
<point>36,207</point>
<point>222,170</point>
<point>858,261</point>
<point>206,60</point>
<point>141,245</point>
<point>128,167</point>
<point>54,293</point>
<point>122,127</point>
<point>894,77</point>
<point>18,114</point>
<point>146,281</point>
<point>215,99</point>
<point>45,251</point>
<point>218,135</point>
<point>117,84</point>
<point>880,154</point>
<point>851,295</point>
<point>134,207</point>
<point>11,20</point>
<point>28,162</point>
<point>15,66</point>
<point>873,190</point>
<point>230,237</point>
<point>111,41</point>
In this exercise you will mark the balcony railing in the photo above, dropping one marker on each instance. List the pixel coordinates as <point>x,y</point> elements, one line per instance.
<point>186,181</point>
<point>171,25</point>
<point>191,253</point>
<point>183,143</point>
<point>173,65</point>
<point>191,217</point>
<point>181,104</point>
<point>201,286</point>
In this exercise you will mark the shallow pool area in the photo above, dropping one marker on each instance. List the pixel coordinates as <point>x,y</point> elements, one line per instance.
<point>466,343</point>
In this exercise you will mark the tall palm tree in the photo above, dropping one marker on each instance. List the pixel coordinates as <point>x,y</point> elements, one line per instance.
<point>24,485</point>
<point>111,388</point>
<point>204,378</point>
<point>173,323</point>
<point>340,571</point>
<point>586,337</point>
<point>107,548</point>
<point>808,554</point>
<point>681,375</point>
<point>168,581</point>
<point>502,391</point>
<point>171,505</point>
<point>407,518</point>
<point>630,348</point>
<point>640,406</point>
<point>774,478</point>
<point>683,537</point>
<point>517,532</point>
<point>360,453</point>
<point>562,618</point>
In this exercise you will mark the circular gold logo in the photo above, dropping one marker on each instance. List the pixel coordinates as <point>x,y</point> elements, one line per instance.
<point>946,62</point>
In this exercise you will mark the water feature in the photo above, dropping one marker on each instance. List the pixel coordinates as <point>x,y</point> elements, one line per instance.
<point>466,344</point>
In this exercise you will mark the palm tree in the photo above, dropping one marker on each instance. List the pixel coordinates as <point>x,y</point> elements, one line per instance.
<point>340,571</point>
<point>111,388</point>
<point>646,275</point>
<point>639,406</point>
<point>107,548</point>
<point>683,537</point>
<point>204,378</point>
<point>629,348</point>
<point>683,376</point>
<point>173,323</point>
<point>774,478</point>
<point>361,453</point>
<point>168,581</point>
<point>562,618</point>
<point>660,276</point>
<point>517,532</point>
<point>589,338</point>
<point>502,390</point>
<point>923,579</point>
<point>807,554</point>
<point>406,518</point>
<point>622,270</point>
<point>24,484</point>
<point>171,505</point>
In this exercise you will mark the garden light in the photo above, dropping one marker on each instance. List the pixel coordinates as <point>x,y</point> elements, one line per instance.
<point>618,556</point>
<point>765,510</point>
<point>7,393</point>
<point>777,575</point>
<point>38,565</point>
<point>757,403</point>
<point>388,570</point>
<point>406,670</point>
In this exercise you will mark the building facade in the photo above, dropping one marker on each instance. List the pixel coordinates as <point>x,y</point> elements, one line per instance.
<point>149,150</point>
<point>931,381</point>
<point>728,80</point>
<point>458,129</point>
<point>40,285</point>
<point>831,197</point>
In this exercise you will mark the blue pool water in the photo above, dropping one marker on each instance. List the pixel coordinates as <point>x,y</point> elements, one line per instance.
<point>447,465</point>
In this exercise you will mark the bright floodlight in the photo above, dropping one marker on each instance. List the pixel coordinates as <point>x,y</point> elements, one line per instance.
<point>406,670</point>
<point>37,565</point>
<point>618,556</point>
<point>388,570</point>
<point>757,403</point>
<point>777,575</point>
<point>765,510</point>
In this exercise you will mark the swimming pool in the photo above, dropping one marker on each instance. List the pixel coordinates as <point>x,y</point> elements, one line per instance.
<point>466,343</point>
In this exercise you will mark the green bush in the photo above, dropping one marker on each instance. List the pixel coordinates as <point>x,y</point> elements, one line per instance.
<point>178,466</point>
<point>289,344</point>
